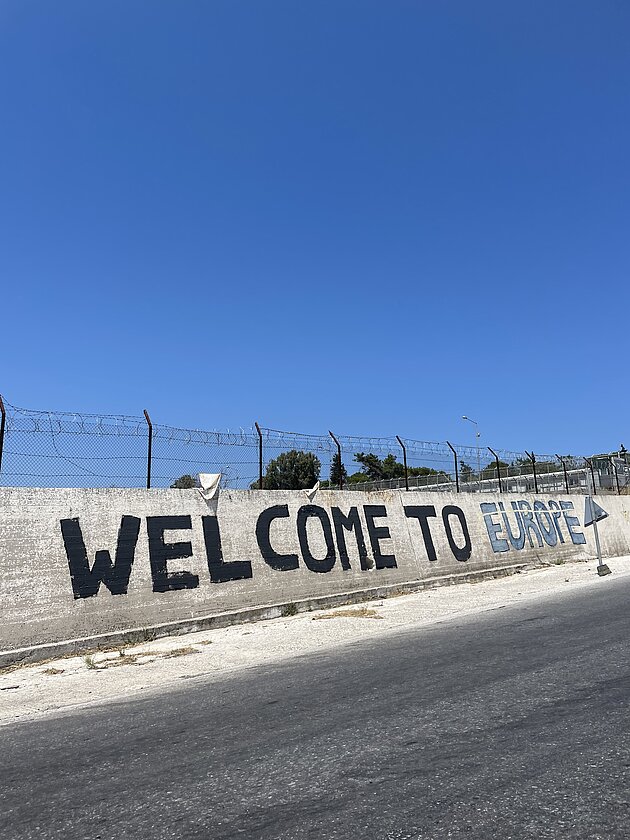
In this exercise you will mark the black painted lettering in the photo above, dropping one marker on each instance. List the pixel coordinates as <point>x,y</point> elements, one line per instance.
<point>279,562</point>
<point>461,553</point>
<point>160,553</point>
<point>86,581</point>
<point>305,513</point>
<point>422,514</point>
<point>378,533</point>
<point>220,571</point>
<point>351,522</point>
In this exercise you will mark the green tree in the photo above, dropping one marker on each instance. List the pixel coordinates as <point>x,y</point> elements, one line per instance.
<point>358,477</point>
<point>184,482</point>
<point>490,470</point>
<point>392,468</point>
<point>375,469</point>
<point>548,467</point>
<point>338,473</point>
<point>424,471</point>
<point>293,470</point>
<point>372,466</point>
<point>465,471</point>
<point>525,466</point>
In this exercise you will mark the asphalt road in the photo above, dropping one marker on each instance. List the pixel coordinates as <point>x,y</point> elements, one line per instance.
<point>512,724</point>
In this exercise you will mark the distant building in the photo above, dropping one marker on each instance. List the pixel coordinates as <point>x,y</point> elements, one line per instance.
<point>612,468</point>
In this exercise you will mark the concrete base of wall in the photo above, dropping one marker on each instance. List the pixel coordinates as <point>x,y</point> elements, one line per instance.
<point>135,635</point>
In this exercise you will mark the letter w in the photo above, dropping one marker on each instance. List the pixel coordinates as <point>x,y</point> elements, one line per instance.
<point>86,581</point>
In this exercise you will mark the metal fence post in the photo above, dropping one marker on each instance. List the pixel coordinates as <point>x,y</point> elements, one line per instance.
<point>496,458</point>
<point>404,449</point>
<point>456,466</point>
<point>150,447</point>
<point>564,467</point>
<point>532,458</point>
<point>2,425</point>
<point>260,456</point>
<point>340,464</point>
<point>614,466</point>
<point>590,464</point>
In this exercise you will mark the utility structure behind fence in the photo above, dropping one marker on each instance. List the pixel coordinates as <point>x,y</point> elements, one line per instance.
<point>70,449</point>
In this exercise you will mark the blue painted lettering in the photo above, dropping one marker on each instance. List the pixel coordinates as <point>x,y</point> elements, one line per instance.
<point>529,524</point>
<point>577,537</point>
<point>542,515</point>
<point>494,528</point>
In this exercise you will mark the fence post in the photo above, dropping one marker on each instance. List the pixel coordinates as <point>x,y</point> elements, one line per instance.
<point>260,456</point>
<point>340,464</point>
<point>532,458</point>
<point>150,447</point>
<point>404,449</point>
<point>590,464</point>
<point>496,458</point>
<point>2,425</point>
<point>564,467</point>
<point>614,466</point>
<point>456,466</point>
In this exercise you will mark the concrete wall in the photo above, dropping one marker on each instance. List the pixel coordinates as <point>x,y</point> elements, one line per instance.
<point>83,562</point>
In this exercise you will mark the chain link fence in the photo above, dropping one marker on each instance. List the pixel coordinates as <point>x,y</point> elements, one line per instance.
<point>69,449</point>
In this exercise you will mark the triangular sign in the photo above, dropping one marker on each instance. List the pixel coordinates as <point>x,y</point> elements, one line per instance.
<point>592,511</point>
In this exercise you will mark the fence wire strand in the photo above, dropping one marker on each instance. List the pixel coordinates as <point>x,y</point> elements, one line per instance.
<point>70,449</point>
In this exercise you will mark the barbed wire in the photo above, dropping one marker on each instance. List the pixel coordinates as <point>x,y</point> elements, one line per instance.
<point>43,446</point>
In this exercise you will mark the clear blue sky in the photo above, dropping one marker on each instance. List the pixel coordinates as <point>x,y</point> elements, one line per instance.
<point>372,217</point>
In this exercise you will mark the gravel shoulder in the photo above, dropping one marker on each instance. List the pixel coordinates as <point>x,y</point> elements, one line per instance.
<point>54,687</point>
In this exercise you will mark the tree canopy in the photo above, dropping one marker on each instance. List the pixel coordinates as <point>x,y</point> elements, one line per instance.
<point>184,482</point>
<point>377,469</point>
<point>338,473</point>
<point>490,470</point>
<point>293,470</point>
<point>465,471</point>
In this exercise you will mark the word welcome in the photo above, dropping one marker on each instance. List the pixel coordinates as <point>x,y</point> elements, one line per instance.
<point>335,528</point>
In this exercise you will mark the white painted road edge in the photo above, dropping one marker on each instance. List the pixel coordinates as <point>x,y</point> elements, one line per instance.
<point>58,686</point>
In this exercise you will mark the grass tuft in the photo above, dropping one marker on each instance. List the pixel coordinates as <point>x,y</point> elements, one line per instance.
<point>182,651</point>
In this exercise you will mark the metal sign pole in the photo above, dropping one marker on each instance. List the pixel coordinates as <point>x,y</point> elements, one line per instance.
<point>602,568</point>
<point>597,545</point>
<point>592,513</point>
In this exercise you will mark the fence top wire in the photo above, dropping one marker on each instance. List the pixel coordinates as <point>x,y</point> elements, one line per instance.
<point>418,450</point>
<point>69,423</point>
<point>66,422</point>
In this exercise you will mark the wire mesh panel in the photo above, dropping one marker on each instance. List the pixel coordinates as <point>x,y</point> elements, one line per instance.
<point>372,462</point>
<point>69,449</point>
<point>428,467</point>
<point>279,447</point>
<point>187,452</point>
<point>84,450</point>
<point>73,450</point>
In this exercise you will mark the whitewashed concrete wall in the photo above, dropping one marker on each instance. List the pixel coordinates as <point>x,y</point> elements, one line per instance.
<point>57,582</point>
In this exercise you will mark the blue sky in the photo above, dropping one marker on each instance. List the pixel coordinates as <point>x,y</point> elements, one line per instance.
<point>359,216</point>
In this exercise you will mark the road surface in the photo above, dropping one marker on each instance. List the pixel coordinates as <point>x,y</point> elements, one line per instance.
<point>510,724</point>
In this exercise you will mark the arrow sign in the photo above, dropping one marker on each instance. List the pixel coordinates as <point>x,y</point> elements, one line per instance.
<point>593,512</point>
